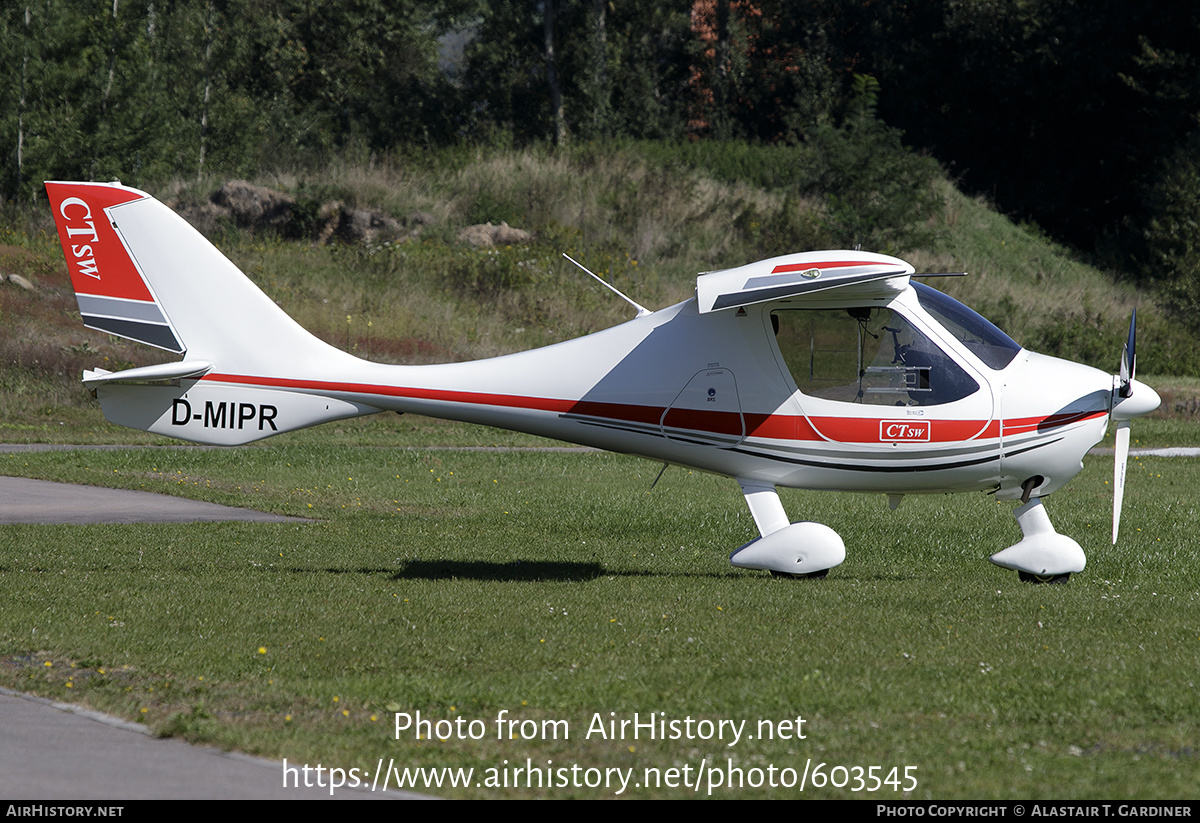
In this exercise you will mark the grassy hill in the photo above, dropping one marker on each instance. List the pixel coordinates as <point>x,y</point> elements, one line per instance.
<point>645,216</point>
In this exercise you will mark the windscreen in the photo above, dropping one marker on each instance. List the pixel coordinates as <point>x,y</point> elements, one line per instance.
<point>995,348</point>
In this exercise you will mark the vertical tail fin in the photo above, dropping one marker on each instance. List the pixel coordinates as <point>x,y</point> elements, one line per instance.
<point>113,295</point>
<point>141,272</point>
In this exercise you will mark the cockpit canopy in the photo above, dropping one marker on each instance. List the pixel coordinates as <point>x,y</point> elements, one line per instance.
<point>877,356</point>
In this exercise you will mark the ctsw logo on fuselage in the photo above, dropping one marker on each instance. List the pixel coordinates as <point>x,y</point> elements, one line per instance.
<point>904,431</point>
<point>225,415</point>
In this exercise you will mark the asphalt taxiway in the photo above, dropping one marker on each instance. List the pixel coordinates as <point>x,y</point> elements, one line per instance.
<point>52,752</point>
<point>39,501</point>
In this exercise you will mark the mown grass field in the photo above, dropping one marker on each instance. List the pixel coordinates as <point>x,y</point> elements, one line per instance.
<point>556,586</point>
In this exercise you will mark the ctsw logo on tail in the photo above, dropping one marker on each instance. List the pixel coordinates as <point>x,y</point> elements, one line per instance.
<point>79,221</point>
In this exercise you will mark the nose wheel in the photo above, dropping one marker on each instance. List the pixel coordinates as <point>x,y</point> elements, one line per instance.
<point>1043,555</point>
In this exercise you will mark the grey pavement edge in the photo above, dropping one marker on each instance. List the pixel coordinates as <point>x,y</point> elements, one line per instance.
<point>40,501</point>
<point>54,751</point>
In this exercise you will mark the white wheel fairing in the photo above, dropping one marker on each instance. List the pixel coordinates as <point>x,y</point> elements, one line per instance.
<point>800,548</point>
<point>1042,551</point>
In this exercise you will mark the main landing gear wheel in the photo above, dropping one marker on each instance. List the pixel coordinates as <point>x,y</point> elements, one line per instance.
<point>797,550</point>
<point>1050,579</point>
<point>819,575</point>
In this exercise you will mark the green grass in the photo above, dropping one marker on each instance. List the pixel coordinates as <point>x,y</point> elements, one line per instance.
<point>557,586</point>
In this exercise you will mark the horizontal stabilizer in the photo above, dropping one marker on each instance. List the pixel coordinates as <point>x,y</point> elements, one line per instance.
<point>148,374</point>
<point>863,274</point>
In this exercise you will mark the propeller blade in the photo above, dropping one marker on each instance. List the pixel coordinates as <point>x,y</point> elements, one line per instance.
<point>1129,359</point>
<point>1122,457</point>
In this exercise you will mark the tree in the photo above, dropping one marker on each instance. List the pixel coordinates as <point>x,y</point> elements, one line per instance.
<point>617,70</point>
<point>760,70</point>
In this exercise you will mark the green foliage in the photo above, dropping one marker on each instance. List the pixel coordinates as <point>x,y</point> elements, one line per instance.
<point>791,227</point>
<point>875,192</point>
<point>1019,100</point>
<point>770,166</point>
<point>1080,335</point>
<point>490,274</point>
<point>760,72</point>
<point>1057,111</point>
<point>1172,232</point>
<point>623,70</point>
<point>864,100</point>
<point>880,195</point>
<point>143,92</point>
<point>491,207</point>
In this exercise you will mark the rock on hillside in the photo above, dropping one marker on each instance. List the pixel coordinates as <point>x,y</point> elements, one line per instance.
<point>263,210</point>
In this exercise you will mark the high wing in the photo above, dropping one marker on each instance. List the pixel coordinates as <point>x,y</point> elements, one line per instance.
<point>853,273</point>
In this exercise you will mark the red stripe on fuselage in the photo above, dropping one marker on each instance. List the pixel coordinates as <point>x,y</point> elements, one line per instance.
<point>475,398</point>
<point>1023,425</point>
<point>770,426</point>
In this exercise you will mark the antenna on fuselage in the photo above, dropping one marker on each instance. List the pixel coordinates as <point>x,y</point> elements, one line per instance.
<point>641,310</point>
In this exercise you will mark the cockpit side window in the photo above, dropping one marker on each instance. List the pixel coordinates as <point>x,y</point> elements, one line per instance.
<point>995,348</point>
<point>872,356</point>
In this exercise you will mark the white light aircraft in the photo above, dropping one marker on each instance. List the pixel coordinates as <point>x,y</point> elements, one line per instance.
<point>822,370</point>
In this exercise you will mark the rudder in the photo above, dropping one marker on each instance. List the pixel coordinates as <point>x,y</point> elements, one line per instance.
<point>140,271</point>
